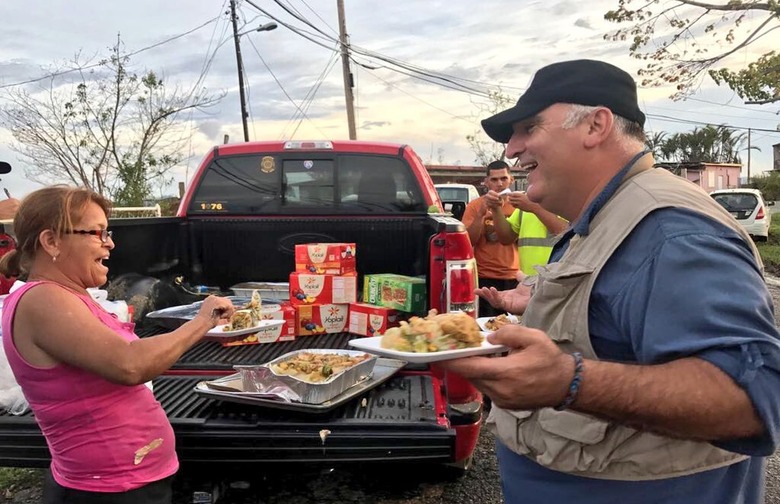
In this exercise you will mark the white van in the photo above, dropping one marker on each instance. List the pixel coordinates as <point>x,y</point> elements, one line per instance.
<point>457,192</point>
<point>455,197</point>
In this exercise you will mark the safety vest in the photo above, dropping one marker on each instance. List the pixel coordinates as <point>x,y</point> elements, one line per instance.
<point>534,242</point>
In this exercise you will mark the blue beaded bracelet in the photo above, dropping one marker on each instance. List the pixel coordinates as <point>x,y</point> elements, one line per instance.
<point>574,386</point>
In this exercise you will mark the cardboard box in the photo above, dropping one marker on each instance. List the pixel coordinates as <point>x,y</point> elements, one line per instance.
<point>306,288</point>
<point>371,320</point>
<point>286,332</point>
<point>401,292</point>
<point>325,258</point>
<point>321,319</point>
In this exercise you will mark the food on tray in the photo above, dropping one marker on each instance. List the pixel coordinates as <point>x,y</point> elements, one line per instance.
<point>496,323</point>
<point>317,367</point>
<point>434,333</point>
<point>248,315</point>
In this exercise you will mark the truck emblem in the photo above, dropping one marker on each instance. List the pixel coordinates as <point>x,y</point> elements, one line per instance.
<point>267,164</point>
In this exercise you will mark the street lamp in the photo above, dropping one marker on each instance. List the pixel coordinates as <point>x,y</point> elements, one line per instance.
<point>266,27</point>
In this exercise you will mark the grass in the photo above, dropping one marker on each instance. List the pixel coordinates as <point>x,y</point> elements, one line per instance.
<point>12,478</point>
<point>770,250</point>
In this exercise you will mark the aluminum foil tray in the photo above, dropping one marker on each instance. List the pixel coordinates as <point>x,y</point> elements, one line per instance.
<point>272,290</point>
<point>255,378</point>
<point>230,389</point>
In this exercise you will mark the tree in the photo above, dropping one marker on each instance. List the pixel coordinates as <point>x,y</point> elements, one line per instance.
<point>485,149</point>
<point>710,144</point>
<point>676,42</point>
<point>111,130</point>
<point>655,142</point>
<point>768,183</point>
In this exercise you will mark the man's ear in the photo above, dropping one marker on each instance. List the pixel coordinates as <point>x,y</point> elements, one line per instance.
<point>600,125</point>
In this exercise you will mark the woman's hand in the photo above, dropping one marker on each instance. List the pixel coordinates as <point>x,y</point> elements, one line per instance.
<point>217,310</point>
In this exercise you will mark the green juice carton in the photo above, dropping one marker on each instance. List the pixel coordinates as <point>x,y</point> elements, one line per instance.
<point>403,293</point>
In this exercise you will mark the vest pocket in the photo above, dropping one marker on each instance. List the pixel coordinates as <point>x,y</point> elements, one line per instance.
<point>506,425</point>
<point>555,305</point>
<point>577,427</point>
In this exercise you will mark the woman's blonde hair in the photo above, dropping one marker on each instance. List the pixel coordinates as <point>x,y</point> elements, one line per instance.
<point>56,208</point>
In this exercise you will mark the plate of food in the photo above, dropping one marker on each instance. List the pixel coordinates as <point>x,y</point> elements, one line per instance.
<point>495,323</point>
<point>247,319</point>
<point>228,330</point>
<point>431,339</point>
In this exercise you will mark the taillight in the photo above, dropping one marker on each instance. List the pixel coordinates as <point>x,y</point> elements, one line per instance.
<point>461,282</point>
<point>760,214</point>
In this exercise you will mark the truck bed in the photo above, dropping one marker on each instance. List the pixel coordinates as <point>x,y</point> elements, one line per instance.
<point>399,420</point>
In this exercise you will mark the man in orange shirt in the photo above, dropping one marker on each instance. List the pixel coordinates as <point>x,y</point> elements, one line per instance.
<point>496,260</point>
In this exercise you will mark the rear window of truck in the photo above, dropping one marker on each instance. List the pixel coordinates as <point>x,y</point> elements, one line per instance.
<point>316,184</point>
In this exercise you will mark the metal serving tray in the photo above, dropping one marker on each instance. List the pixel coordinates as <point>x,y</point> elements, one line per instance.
<point>272,290</point>
<point>220,389</point>
<point>312,393</point>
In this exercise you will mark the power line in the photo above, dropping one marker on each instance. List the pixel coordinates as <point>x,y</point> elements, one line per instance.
<point>688,121</point>
<point>278,83</point>
<point>752,109</point>
<point>95,65</point>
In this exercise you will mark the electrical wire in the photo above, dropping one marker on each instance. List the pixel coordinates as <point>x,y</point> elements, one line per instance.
<point>278,83</point>
<point>95,65</point>
<point>688,121</point>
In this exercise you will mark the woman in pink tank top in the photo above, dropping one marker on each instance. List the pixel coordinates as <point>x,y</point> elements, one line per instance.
<point>82,370</point>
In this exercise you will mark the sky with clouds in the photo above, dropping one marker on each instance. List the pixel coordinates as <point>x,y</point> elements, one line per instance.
<point>482,44</point>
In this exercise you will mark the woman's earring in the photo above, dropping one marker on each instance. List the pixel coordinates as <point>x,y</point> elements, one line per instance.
<point>54,258</point>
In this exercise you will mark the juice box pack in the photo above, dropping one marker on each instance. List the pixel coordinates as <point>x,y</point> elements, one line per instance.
<point>371,320</point>
<point>400,292</point>
<point>286,332</point>
<point>325,258</point>
<point>322,289</point>
<point>321,319</point>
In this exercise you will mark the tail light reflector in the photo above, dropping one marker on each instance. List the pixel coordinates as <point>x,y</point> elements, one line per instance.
<point>461,282</point>
<point>760,214</point>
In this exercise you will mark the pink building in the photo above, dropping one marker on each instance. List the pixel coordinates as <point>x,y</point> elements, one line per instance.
<point>708,176</point>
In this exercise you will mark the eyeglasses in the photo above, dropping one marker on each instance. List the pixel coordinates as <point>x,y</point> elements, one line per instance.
<point>103,234</point>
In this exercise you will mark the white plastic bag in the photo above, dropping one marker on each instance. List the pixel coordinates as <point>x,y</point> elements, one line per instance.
<point>11,397</point>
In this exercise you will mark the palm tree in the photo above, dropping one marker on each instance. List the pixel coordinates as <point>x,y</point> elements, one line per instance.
<point>654,142</point>
<point>710,144</point>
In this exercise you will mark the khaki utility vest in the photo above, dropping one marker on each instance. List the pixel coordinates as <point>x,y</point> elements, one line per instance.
<point>581,444</point>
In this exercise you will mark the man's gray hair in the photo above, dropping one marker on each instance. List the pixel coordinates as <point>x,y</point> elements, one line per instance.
<point>626,129</point>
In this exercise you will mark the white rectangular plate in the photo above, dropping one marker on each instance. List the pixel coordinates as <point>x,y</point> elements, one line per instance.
<point>219,332</point>
<point>481,321</point>
<point>373,345</point>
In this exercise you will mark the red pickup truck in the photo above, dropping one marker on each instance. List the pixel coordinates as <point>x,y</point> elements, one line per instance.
<point>244,211</point>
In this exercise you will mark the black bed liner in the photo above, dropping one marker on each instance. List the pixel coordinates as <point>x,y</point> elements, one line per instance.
<point>394,422</point>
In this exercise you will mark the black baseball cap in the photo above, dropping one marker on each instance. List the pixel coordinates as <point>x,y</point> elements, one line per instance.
<point>581,82</point>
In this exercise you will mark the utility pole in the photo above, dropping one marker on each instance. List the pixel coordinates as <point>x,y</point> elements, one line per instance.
<point>748,163</point>
<point>244,113</point>
<point>347,74</point>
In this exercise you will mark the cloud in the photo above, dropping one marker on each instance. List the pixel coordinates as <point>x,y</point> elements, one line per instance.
<point>368,125</point>
<point>583,23</point>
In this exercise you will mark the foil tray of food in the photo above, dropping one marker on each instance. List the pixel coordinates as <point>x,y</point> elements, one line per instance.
<point>312,376</point>
<point>231,389</point>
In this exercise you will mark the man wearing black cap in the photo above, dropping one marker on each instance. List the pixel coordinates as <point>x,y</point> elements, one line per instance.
<point>640,375</point>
